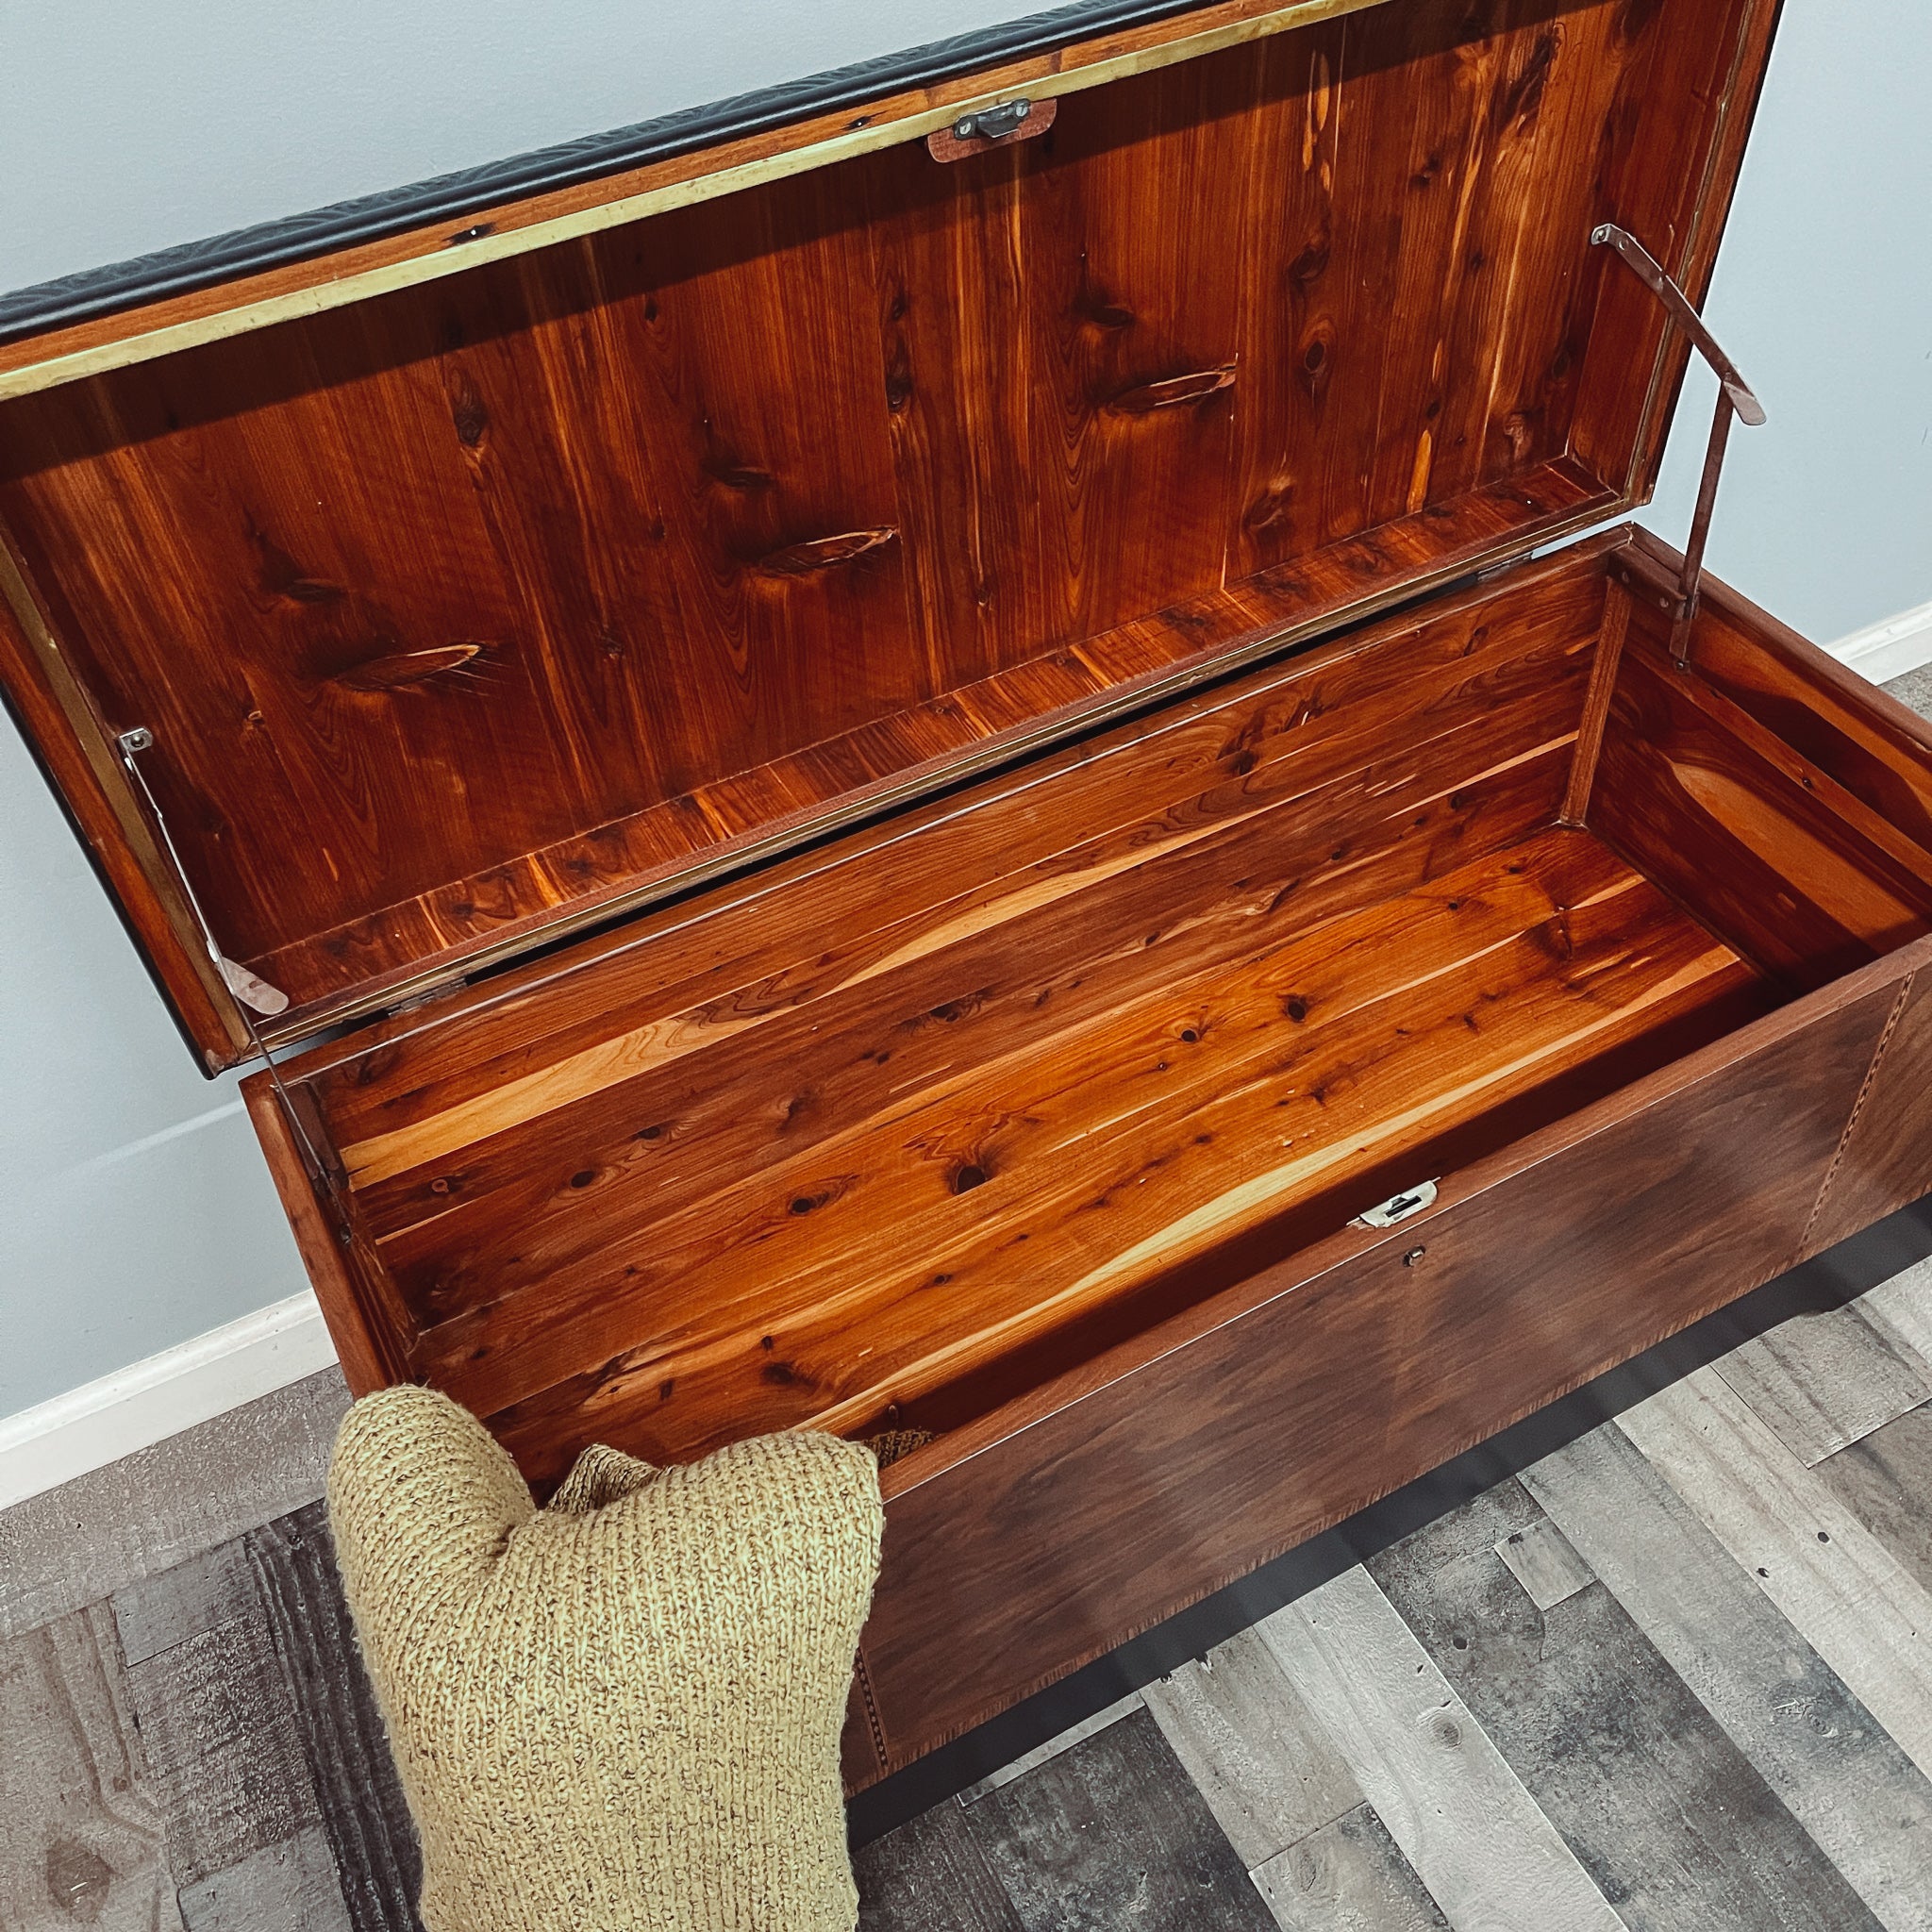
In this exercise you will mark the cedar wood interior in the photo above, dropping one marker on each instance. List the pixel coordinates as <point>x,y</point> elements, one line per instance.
<point>910,1123</point>
<point>484,608</point>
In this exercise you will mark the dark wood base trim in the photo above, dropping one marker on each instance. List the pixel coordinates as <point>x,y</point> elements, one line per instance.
<point>1825,1280</point>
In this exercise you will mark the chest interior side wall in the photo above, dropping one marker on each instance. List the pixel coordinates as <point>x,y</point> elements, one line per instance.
<point>518,589</point>
<point>1764,785</point>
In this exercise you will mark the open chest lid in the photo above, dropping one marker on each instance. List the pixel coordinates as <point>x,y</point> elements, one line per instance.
<point>394,611</point>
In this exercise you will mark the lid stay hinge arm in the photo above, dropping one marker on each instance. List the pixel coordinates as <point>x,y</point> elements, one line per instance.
<point>249,994</point>
<point>1734,398</point>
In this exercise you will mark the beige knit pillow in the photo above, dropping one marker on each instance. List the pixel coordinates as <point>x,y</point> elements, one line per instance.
<point>623,1710</point>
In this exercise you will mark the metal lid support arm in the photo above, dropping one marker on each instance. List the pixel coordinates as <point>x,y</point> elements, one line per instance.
<point>1734,398</point>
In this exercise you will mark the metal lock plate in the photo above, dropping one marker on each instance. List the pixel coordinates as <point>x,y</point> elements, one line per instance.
<point>1397,1207</point>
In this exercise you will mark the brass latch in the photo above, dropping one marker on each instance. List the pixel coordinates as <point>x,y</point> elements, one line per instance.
<point>1398,1208</point>
<point>1000,126</point>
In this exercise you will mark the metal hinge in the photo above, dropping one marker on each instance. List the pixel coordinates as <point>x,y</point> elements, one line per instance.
<point>1734,398</point>
<point>992,124</point>
<point>442,990</point>
<point>249,993</point>
<point>1398,1208</point>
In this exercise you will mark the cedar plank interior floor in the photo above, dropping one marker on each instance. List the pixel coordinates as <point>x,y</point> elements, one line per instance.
<point>836,1285</point>
<point>953,1208</point>
<point>1023,1073</point>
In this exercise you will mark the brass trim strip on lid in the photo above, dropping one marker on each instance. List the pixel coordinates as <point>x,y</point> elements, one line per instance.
<point>864,136</point>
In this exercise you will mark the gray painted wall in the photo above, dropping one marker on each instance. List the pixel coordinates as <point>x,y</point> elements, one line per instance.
<point>127,126</point>
<point>1824,298</point>
<point>133,1208</point>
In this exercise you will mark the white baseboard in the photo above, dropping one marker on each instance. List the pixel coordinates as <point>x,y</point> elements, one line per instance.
<point>1888,649</point>
<point>136,1407</point>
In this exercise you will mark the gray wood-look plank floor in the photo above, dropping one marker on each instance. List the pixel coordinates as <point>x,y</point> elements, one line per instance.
<point>1676,1676</point>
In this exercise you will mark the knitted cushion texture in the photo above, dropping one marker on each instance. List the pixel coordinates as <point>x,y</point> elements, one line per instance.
<point>622,1710</point>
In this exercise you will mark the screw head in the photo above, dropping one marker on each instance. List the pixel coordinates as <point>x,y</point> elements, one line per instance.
<point>1414,1254</point>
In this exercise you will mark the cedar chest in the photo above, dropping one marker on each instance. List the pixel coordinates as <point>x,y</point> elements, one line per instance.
<point>949,768</point>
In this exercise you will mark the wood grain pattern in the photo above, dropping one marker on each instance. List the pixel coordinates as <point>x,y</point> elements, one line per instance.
<point>64,724</point>
<point>1063,1741</point>
<point>1112,1832</point>
<point>1901,1311</point>
<point>1449,1799</point>
<point>1364,737</point>
<point>1317,1851</point>
<point>1863,1802</point>
<point>931,1875</point>
<point>153,1510</point>
<point>1616,424</point>
<point>218,1716</point>
<point>1119,1158</point>
<point>1348,1877</point>
<point>1799,887</point>
<point>1810,1553</point>
<point>1884,1164</point>
<point>1340,730</point>
<point>81,1834</point>
<point>506,229</point>
<point>293,1886</point>
<point>1864,740</point>
<point>1545,1561</point>
<point>1667,1815</point>
<point>978,988</point>
<point>365,1820</point>
<point>596,1212</point>
<point>1823,1381</point>
<point>476,611</point>
<point>1261,1759</point>
<point>1689,1184</point>
<point>1883,1479</point>
<point>1027,1113</point>
<point>1596,704</point>
<point>1270,1773</point>
<point>265,1736</point>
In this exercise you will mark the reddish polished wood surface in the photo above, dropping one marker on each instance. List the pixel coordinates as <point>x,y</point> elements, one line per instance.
<point>970,1119</point>
<point>1034,1113</point>
<point>1758,786</point>
<point>1023,1546</point>
<point>823,1149</point>
<point>465,612</point>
